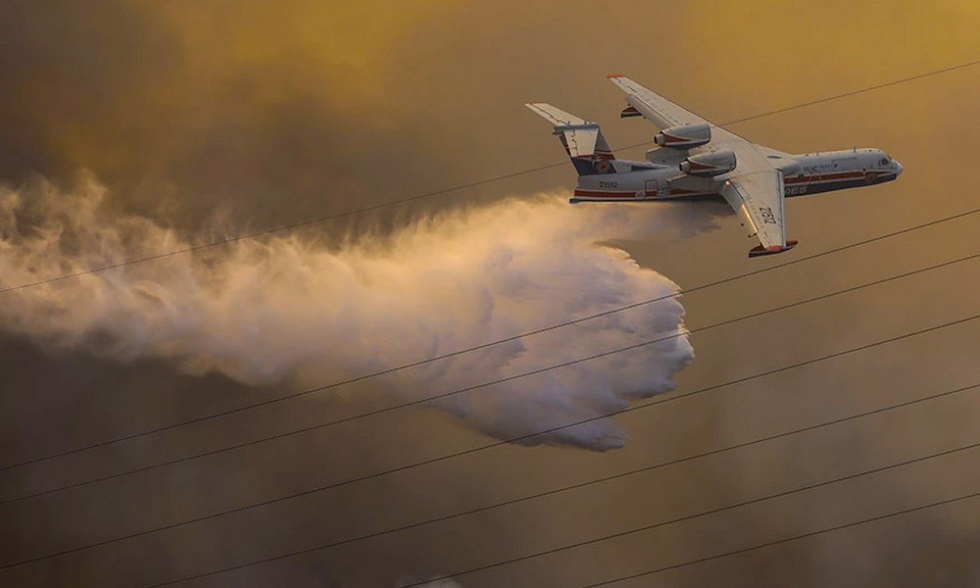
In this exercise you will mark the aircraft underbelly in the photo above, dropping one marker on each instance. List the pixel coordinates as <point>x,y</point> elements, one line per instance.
<point>659,184</point>
<point>583,195</point>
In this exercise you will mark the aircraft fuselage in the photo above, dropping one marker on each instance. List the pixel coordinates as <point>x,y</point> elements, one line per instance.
<point>660,179</point>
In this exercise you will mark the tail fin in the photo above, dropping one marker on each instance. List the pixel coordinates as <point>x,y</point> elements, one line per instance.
<point>583,141</point>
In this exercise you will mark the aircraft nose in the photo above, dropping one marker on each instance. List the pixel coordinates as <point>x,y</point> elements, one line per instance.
<point>898,169</point>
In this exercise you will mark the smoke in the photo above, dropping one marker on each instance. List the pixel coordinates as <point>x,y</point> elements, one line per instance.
<point>290,309</point>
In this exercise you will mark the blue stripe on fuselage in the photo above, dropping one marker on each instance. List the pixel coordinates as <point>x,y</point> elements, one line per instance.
<point>819,187</point>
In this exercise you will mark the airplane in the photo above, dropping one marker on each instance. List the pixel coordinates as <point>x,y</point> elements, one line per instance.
<point>695,159</point>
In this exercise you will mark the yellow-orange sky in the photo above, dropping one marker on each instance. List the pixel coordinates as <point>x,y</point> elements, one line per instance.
<point>267,113</point>
<point>258,99</point>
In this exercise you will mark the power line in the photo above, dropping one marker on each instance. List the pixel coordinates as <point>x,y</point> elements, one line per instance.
<point>418,363</point>
<point>487,384</point>
<point>568,488</point>
<point>478,347</point>
<point>859,91</point>
<point>498,178</point>
<point>698,515</point>
<point>491,445</point>
<point>788,539</point>
<point>456,188</point>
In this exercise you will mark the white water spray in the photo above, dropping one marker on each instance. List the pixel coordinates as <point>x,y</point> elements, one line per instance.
<point>288,309</point>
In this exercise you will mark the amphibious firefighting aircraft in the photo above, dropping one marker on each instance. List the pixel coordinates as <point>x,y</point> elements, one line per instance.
<point>695,159</point>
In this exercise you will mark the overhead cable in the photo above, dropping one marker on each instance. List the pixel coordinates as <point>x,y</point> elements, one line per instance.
<point>595,481</point>
<point>473,450</point>
<point>456,188</point>
<point>356,379</point>
<point>823,531</point>
<point>458,391</point>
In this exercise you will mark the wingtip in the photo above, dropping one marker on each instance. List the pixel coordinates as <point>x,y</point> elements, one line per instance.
<point>614,76</point>
<point>761,250</point>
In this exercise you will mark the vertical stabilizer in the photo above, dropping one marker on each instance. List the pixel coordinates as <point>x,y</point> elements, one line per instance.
<point>583,141</point>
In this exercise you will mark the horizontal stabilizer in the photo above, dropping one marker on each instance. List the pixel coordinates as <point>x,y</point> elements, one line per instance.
<point>557,116</point>
<point>582,139</point>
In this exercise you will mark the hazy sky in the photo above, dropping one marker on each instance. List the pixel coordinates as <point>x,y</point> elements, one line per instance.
<point>136,128</point>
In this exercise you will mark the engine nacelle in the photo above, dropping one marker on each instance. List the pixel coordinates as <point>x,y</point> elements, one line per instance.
<point>709,164</point>
<point>684,136</point>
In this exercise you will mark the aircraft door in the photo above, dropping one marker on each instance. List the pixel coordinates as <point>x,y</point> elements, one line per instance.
<point>652,189</point>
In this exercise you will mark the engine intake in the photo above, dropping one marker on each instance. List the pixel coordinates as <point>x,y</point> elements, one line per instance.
<point>709,164</point>
<point>684,136</point>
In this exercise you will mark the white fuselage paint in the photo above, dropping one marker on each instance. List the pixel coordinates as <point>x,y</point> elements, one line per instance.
<point>660,179</point>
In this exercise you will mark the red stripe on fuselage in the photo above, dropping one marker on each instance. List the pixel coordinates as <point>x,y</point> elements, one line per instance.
<point>676,192</point>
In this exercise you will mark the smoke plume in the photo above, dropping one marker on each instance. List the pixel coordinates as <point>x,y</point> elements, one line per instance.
<point>291,309</point>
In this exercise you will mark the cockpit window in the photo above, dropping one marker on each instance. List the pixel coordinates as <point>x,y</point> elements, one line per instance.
<point>884,161</point>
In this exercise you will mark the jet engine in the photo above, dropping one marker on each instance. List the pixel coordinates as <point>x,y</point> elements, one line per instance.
<point>709,164</point>
<point>684,136</point>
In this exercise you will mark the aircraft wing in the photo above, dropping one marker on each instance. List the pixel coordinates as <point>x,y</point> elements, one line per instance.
<point>662,112</point>
<point>757,198</point>
<point>754,190</point>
